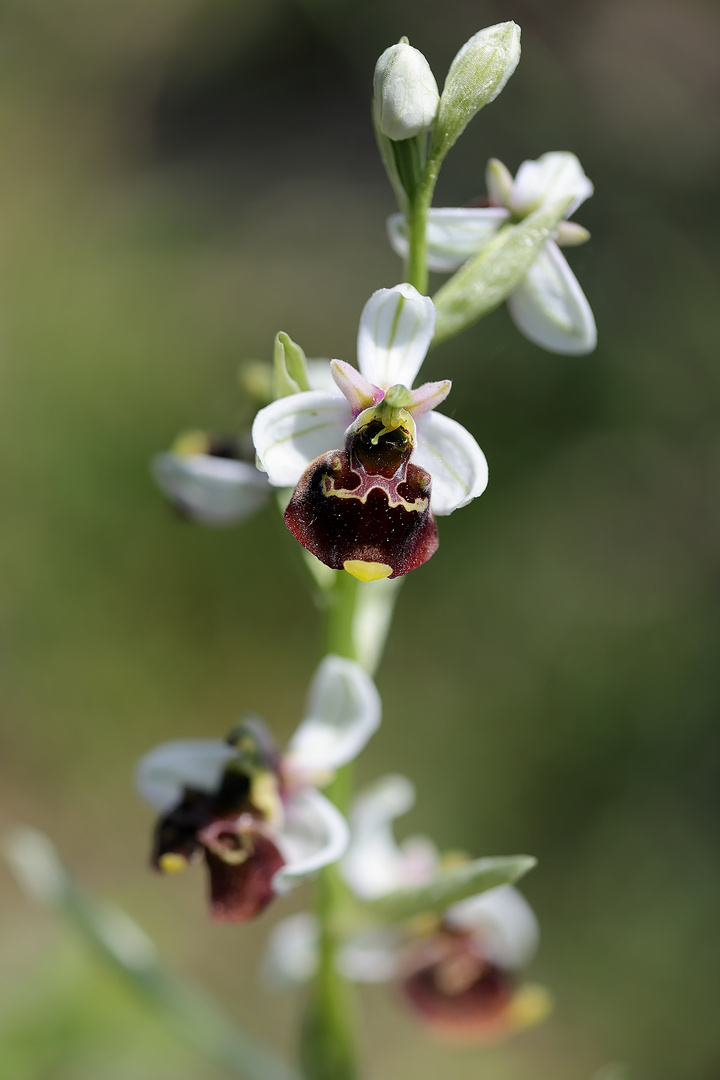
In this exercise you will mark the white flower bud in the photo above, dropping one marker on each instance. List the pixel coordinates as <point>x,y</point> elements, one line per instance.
<point>406,94</point>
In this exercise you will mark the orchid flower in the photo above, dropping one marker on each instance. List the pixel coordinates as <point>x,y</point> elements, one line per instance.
<point>256,817</point>
<point>372,462</point>
<point>548,307</point>
<point>455,972</point>
<point>206,480</point>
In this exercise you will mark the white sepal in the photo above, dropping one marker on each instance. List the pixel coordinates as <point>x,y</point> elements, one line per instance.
<point>396,328</point>
<point>371,957</point>
<point>343,711</point>
<point>291,432</point>
<point>550,308</point>
<point>454,460</point>
<point>314,835</point>
<point>162,774</point>
<point>375,864</point>
<point>320,376</point>
<point>504,921</point>
<point>291,953</point>
<point>213,490</point>
<point>554,176</point>
<point>454,234</point>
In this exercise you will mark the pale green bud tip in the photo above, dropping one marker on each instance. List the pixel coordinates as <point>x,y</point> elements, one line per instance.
<point>476,76</point>
<point>406,94</point>
<point>499,182</point>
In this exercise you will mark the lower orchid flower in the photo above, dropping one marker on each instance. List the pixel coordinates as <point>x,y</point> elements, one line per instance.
<point>254,816</point>
<point>205,478</point>
<point>455,971</point>
<point>548,307</point>
<point>372,462</point>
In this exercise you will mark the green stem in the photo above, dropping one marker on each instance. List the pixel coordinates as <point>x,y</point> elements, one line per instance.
<point>416,270</point>
<point>339,629</point>
<point>328,1045</point>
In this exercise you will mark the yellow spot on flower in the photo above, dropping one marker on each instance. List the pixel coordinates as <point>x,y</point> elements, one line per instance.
<point>265,796</point>
<point>367,571</point>
<point>424,925</point>
<point>531,1005</point>
<point>191,442</point>
<point>172,863</point>
<point>452,859</point>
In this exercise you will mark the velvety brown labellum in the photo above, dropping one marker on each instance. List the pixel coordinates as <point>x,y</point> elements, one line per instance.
<point>454,989</point>
<point>366,504</point>
<point>229,832</point>
<point>241,890</point>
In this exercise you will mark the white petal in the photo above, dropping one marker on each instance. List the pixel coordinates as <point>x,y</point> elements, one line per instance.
<point>428,397</point>
<point>358,392</point>
<point>454,460</point>
<point>454,234</point>
<point>293,431</point>
<point>320,376</point>
<point>552,177</point>
<point>342,712</point>
<point>550,308</point>
<point>396,328</point>
<point>374,863</point>
<point>504,920</point>
<point>163,773</point>
<point>314,834</point>
<point>291,954</point>
<point>216,491</point>
<point>371,957</point>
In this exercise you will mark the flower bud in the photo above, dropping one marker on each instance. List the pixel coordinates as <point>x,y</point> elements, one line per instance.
<point>406,94</point>
<point>476,76</point>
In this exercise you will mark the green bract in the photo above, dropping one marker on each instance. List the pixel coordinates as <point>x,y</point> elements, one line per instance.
<point>448,887</point>
<point>476,76</point>
<point>487,280</point>
<point>290,367</point>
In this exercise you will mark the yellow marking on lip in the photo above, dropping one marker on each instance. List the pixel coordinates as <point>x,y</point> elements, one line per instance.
<point>328,489</point>
<point>367,571</point>
<point>172,863</point>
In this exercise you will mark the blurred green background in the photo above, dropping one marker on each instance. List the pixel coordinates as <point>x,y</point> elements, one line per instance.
<point>181,179</point>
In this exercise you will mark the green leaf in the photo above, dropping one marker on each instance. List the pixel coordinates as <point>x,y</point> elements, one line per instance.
<point>449,887</point>
<point>486,280</point>
<point>290,367</point>
<point>125,947</point>
<point>476,76</point>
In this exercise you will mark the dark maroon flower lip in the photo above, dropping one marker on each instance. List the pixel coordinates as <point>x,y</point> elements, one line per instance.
<point>242,861</point>
<point>366,509</point>
<point>453,988</point>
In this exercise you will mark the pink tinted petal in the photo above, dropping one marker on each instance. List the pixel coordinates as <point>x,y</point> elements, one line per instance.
<point>428,396</point>
<point>360,393</point>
